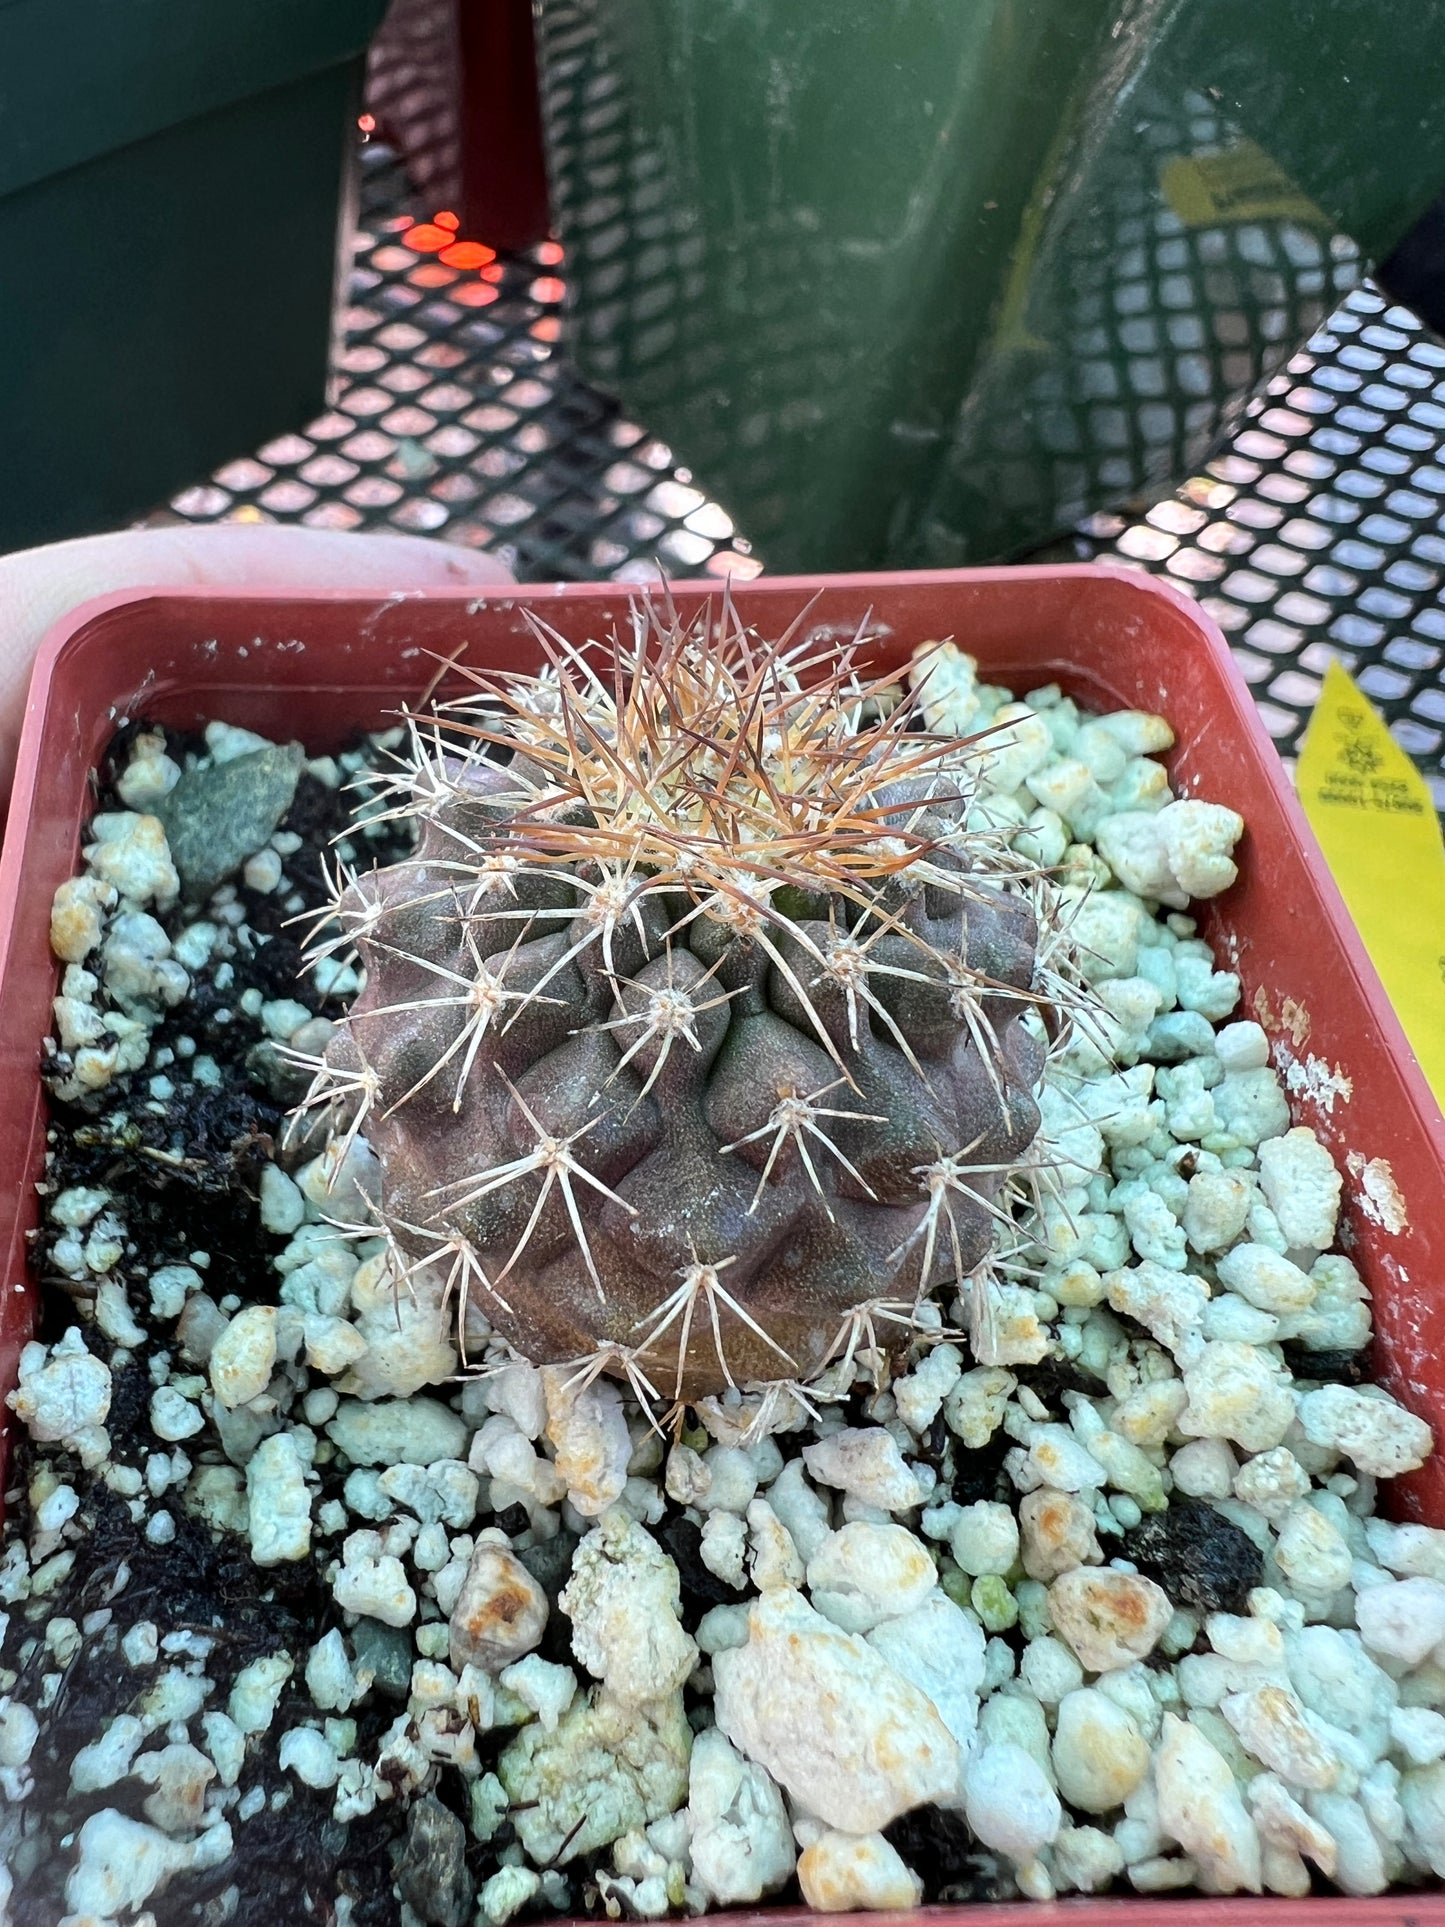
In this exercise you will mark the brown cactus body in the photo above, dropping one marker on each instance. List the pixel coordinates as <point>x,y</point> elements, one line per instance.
<point>674,1089</point>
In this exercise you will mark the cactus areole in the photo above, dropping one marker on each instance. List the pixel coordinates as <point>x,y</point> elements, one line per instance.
<point>694,1041</point>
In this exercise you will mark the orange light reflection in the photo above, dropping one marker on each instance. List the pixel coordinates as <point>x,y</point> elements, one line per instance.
<point>425,237</point>
<point>438,236</point>
<point>468,254</point>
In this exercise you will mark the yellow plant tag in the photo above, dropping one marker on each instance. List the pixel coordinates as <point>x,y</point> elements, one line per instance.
<point>1242,183</point>
<point>1376,823</point>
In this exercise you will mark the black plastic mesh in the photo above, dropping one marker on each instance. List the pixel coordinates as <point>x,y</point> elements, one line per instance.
<point>454,415</point>
<point>1320,530</point>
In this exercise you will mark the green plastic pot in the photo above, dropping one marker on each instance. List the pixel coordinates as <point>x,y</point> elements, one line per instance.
<point>170,180</point>
<point>921,283</point>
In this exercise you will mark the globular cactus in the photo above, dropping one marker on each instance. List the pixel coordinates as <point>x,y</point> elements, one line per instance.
<point>692,1044</point>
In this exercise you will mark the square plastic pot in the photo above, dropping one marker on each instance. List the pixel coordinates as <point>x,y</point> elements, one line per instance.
<point>172,181</point>
<point>926,284</point>
<point>320,668</point>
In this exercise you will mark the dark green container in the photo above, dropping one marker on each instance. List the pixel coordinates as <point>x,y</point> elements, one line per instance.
<point>171,173</point>
<point>922,281</point>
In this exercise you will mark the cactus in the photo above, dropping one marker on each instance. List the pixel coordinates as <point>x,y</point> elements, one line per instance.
<point>693,1040</point>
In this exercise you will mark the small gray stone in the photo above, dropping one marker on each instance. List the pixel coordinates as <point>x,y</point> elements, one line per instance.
<point>284,1081</point>
<point>215,818</point>
<point>432,1875</point>
<point>550,1561</point>
<point>386,1651</point>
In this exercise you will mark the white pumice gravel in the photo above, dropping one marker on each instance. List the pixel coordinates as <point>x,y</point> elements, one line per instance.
<point>847,1872</point>
<point>121,1863</point>
<point>622,1599</point>
<point>1108,1619</point>
<point>544,1686</point>
<point>1164,1642</point>
<point>741,1842</point>
<point>1200,1805</point>
<point>868,1465</point>
<point>278,1500</point>
<point>64,1396</point>
<point>1010,1801</point>
<point>372,1582</point>
<point>257,1689</point>
<point>587,1429</point>
<point>841,1730</point>
<point>865,1573</point>
<point>940,1649</point>
<point>243,1355</point>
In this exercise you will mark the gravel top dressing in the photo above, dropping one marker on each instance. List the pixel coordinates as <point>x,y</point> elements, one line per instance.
<point>303,1620</point>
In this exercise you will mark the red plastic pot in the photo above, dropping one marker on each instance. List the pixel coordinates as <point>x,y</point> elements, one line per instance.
<point>319,667</point>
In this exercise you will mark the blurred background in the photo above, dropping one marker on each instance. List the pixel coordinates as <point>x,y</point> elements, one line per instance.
<point>710,287</point>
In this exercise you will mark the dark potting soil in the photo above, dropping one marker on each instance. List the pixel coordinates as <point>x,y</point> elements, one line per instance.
<point>1202,1560</point>
<point>293,1858</point>
<point>184,1179</point>
<point>938,1843</point>
<point>1330,1368</point>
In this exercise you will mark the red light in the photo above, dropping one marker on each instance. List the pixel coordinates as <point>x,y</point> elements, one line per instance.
<point>467,254</point>
<point>423,237</point>
<point>367,123</point>
<point>550,253</point>
<point>447,219</point>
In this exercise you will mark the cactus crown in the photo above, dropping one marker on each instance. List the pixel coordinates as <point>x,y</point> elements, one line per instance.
<point>691,1038</point>
<point>700,760</point>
